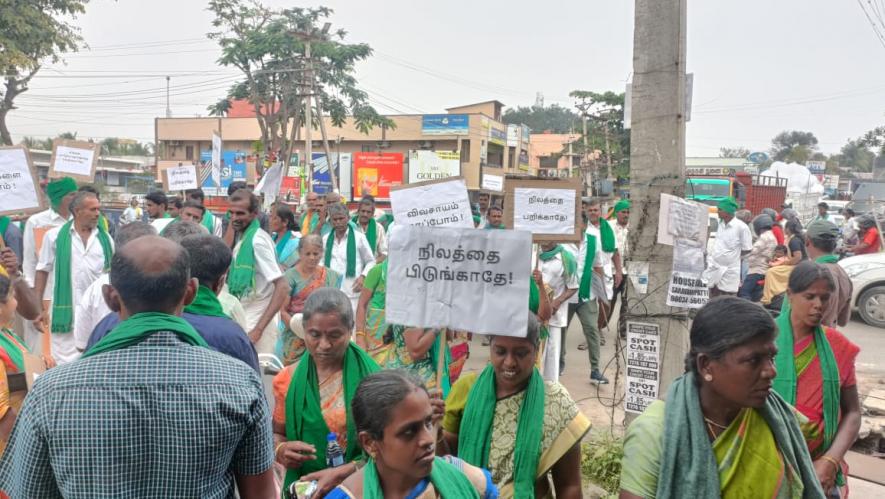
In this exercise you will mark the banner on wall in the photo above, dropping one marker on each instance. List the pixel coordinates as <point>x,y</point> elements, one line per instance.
<point>233,169</point>
<point>375,173</point>
<point>433,165</point>
<point>445,124</point>
<point>322,180</point>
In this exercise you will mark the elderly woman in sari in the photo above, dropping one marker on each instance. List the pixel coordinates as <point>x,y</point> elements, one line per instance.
<point>815,373</point>
<point>312,396</point>
<point>722,432</point>
<point>304,278</point>
<point>395,421</point>
<point>536,425</point>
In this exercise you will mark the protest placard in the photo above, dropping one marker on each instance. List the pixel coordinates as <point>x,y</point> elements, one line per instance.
<point>18,182</point>
<point>463,279</point>
<point>433,165</point>
<point>492,180</point>
<point>701,212</point>
<point>687,291</point>
<point>549,209</point>
<point>643,366</point>
<point>435,203</point>
<point>181,178</point>
<point>74,158</point>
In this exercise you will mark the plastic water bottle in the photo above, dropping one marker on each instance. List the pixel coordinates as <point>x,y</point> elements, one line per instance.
<point>334,454</point>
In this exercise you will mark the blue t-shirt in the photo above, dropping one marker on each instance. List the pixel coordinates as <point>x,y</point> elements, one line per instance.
<point>221,333</point>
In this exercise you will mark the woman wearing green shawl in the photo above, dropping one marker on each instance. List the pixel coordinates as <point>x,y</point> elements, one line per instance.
<point>722,432</point>
<point>312,396</point>
<point>395,417</point>
<point>815,373</point>
<point>537,427</point>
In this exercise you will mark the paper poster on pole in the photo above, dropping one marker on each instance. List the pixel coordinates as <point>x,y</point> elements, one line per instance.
<point>492,180</point>
<point>215,171</point>
<point>181,178</point>
<point>435,203</point>
<point>463,279</point>
<point>643,366</point>
<point>18,182</point>
<point>433,165</point>
<point>74,158</point>
<point>549,209</point>
<point>687,291</point>
<point>665,235</point>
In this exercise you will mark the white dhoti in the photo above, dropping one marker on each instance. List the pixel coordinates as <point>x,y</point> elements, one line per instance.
<point>254,309</point>
<point>551,354</point>
<point>64,347</point>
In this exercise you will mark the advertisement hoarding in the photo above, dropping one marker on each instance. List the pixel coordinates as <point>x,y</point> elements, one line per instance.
<point>445,124</point>
<point>374,173</point>
<point>433,165</point>
<point>233,168</point>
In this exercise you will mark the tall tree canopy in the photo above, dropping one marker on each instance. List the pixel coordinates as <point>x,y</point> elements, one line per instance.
<point>605,130</point>
<point>553,118</point>
<point>269,47</point>
<point>733,152</point>
<point>793,146</point>
<point>32,32</point>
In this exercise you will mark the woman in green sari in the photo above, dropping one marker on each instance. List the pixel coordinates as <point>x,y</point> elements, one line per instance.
<point>312,397</point>
<point>417,350</point>
<point>370,325</point>
<point>395,417</point>
<point>723,432</point>
<point>512,422</point>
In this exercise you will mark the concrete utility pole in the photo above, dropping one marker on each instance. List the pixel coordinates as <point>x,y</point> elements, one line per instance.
<point>657,159</point>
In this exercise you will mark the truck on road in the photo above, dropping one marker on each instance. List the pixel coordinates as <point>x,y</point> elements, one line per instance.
<point>752,192</point>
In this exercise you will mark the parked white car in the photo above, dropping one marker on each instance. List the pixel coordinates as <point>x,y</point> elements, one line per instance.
<point>867,273</point>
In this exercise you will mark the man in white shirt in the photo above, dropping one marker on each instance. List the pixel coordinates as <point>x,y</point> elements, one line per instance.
<point>132,213</point>
<point>560,271</point>
<point>590,287</point>
<point>611,258</point>
<point>156,203</point>
<point>60,193</point>
<point>91,308</point>
<point>621,212</point>
<point>89,255</point>
<point>267,290</point>
<point>361,259</point>
<point>210,221</point>
<point>366,224</point>
<point>733,242</point>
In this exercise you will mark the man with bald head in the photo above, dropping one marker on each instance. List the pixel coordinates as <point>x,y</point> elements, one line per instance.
<point>139,414</point>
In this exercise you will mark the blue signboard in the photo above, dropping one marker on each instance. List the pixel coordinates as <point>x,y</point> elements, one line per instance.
<point>233,168</point>
<point>445,124</point>
<point>757,157</point>
<point>322,180</point>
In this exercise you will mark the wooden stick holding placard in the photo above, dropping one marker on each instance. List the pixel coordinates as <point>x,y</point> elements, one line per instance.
<point>441,357</point>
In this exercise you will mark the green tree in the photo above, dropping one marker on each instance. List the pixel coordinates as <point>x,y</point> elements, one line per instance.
<point>32,32</point>
<point>113,146</point>
<point>734,152</point>
<point>856,155</point>
<point>268,47</point>
<point>553,118</point>
<point>605,130</point>
<point>793,146</point>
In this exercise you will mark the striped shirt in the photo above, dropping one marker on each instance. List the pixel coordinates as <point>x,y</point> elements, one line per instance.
<point>157,419</point>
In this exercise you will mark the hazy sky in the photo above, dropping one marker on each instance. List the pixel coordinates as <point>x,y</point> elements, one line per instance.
<point>760,66</point>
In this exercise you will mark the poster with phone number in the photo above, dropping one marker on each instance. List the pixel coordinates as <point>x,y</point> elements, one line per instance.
<point>375,173</point>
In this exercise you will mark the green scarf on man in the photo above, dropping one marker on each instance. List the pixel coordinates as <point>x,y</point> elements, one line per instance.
<point>371,232</point>
<point>209,221</point>
<point>351,251</point>
<point>447,480</point>
<point>569,264</point>
<point>241,278</point>
<point>475,434</point>
<point>170,224</point>
<point>786,381</point>
<point>688,465</point>
<point>607,234</point>
<point>140,327</point>
<point>206,303</point>
<point>63,294</point>
<point>587,274</point>
<point>304,414</point>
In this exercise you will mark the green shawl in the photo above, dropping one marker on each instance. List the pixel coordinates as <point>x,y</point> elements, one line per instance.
<point>241,278</point>
<point>170,224</point>
<point>139,327</point>
<point>569,264</point>
<point>688,465</point>
<point>786,380</point>
<point>62,295</point>
<point>304,416</point>
<point>15,354</point>
<point>826,259</point>
<point>351,251</point>
<point>209,221</point>
<point>206,303</point>
<point>609,243</point>
<point>447,480</point>
<point>371,232</point>
<point>4,224</point>
<point>475,435</point>
<point>587,274</point>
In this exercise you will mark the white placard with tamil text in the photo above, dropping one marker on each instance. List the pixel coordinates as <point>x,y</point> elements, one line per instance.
<point>433,165</point>
<point>17,190</point>
<point>544,211</point>
<point>643,365</point>
<point>687,291</point>
<point>492,182</point>
<point>463,279</point>
<point>435,204</point>
<point>181,178</point>
<point>71,159</point>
